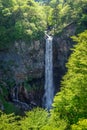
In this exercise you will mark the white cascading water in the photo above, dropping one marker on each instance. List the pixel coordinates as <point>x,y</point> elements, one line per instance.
<point>49,89</point>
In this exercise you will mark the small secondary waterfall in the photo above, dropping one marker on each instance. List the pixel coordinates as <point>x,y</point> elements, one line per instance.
<point>16,100</point>
<point>49,89</point>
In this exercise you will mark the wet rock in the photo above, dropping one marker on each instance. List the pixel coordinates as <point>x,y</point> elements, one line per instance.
<point>1,106</point>
<point>22,60</point>
<point>62,45</point>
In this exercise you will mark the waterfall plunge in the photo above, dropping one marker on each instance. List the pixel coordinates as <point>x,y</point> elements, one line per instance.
<point>49,89</point>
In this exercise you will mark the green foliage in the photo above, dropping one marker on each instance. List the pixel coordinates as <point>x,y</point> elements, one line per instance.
<point>34,120</point>
<point>48,11</point>
<point>81,125</point>
<point>65,12</point>
<point>27,20</point>
<point>70,104</point>
<point>8,122</point>
<point>8,107</point>
<point>69,107</point>
<point>20,20</point>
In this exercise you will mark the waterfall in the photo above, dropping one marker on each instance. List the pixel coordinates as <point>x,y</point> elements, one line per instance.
<point>16,100</point>
<point>16,92</point>
<point>49,89</point>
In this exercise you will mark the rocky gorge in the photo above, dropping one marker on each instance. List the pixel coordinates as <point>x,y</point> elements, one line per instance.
<point>24,64</point>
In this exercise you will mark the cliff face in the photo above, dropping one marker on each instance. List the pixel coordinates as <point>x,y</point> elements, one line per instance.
<point>23,65</point>
<point>62,45</point>
<point>22,68</point>
<point>23,60</point>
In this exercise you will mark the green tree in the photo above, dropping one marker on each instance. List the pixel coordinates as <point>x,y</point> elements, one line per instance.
<point>8,122</point>
<point>21,20</point>
<point>66,12</point>
<point>81,125</point>
<point>34,120</point>
<point>70,104</point>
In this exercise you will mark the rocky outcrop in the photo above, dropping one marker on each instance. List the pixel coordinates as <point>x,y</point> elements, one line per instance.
<point>62,45</point>
<point>23,60</point>
<point>1,106</point>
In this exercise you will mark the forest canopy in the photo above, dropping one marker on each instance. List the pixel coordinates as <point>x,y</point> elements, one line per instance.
<point>21,20</point>
<point>27,20</point>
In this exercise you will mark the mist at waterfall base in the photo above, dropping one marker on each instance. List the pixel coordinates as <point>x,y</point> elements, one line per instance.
<point>49,88</point>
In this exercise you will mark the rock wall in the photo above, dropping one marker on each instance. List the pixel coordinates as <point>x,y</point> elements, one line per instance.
<point>23,60</point>
<point>22,65</point>
<point>62,45</point>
